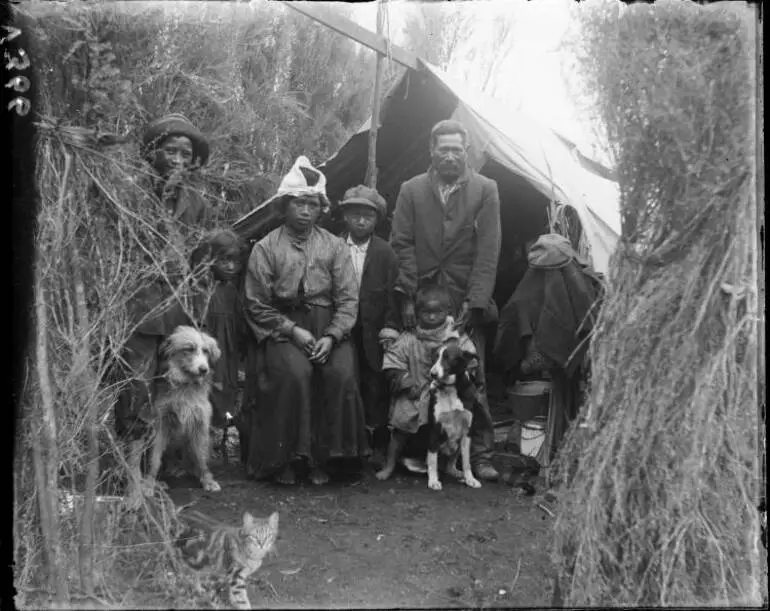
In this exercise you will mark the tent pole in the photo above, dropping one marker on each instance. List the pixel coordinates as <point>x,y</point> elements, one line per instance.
<point>371,170</point>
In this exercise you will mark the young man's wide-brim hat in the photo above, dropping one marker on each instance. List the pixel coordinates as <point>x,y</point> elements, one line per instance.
<point>362,195</point>
<point>301,180</point>
<point>174,125</point>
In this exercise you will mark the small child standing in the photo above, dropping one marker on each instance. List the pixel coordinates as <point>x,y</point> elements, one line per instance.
<point>407,365</point>
<point>218,262</point>
<point>376,268</point>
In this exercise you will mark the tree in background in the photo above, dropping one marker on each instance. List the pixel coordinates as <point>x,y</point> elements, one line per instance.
<point>435,31</point>
<point>444,32</point>
<point>489,57</point>
<point>265,83</point>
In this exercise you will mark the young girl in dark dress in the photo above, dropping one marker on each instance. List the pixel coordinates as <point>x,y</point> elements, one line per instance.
<point>217,264</point>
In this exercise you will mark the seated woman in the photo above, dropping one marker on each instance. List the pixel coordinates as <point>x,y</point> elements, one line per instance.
<point>301,304</point>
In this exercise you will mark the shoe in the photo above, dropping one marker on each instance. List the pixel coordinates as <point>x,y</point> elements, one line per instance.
<point>486,472</point>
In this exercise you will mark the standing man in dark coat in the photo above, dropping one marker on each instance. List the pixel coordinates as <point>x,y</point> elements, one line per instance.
<point>446,231</point>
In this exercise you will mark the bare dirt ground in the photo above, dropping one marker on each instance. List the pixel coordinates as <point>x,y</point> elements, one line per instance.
<point>370,544</point>
<point>361,543</point>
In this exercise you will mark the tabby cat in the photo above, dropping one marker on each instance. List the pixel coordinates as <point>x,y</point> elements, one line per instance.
<point>213,549</point>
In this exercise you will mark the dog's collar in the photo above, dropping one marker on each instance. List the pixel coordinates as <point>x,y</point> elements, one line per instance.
<point>435,385</point>
<point>465,375</point>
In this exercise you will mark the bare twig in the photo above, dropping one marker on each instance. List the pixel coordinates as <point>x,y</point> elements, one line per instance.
<point>516,576</point>
<point>85,393</point>
<point>79,137</point>
<point>46,457</point>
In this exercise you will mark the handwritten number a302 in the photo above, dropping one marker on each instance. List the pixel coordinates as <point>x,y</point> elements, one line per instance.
<point>17,63</point>
<point>19,83</point>
<point>12,33</point>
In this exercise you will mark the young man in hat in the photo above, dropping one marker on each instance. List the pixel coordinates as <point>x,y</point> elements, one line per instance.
<point>174,149</point>
<point>446,231</point>
<point>376,269</point>
<point>301,304</point>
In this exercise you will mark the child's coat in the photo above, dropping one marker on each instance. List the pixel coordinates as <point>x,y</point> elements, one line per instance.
<point>415,353</point>
<point>376,300</point>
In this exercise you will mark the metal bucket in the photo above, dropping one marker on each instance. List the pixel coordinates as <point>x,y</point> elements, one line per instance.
<point>529,400</point>
<point>532,436</point>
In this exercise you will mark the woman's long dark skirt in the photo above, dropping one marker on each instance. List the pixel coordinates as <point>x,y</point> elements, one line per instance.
<point>300,410</point>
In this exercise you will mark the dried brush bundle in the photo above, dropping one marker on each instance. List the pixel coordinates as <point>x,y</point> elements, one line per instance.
<point>659,493</point>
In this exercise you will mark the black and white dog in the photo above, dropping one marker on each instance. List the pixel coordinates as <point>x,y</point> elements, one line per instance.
<point>449,422</point>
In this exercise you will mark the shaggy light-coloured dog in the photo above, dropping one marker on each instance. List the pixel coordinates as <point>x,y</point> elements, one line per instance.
<point>181,408</point>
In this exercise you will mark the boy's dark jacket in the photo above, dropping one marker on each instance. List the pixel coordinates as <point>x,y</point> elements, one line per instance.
<point>377,307</point>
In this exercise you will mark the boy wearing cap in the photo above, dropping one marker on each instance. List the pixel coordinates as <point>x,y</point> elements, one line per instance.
<point>376,270</point>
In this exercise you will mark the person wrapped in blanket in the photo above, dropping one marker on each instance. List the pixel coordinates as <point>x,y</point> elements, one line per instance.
<point>545,326</point>
<point>406,365</point>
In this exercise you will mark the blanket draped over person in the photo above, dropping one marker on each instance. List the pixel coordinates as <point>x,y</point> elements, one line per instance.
<point>553,306</point>
<point>547,320</point>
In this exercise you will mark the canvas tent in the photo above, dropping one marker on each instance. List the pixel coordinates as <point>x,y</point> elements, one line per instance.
<point>531,163</point>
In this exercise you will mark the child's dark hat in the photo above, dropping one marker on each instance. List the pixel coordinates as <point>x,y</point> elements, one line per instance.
<point>362,195</point>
